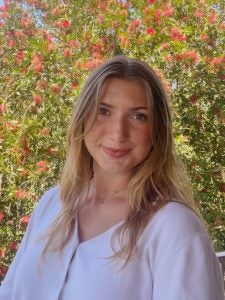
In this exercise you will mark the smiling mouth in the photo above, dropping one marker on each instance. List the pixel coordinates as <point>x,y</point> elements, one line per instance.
<point>116,152</point>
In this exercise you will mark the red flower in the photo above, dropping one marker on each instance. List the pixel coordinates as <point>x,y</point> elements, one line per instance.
<point>97,48</point>
<point>30,32</point>
<point>217,60</point>
<point>62,24</point>
<point>57,24</point>
<point>191,55</point>
<point>19,34</point>
<point>74,43</point>
<point>193,99</point>
<point>42,166</point>
<point>55,88</point>
<point>42,84</point>
<point>21,194</point>
<point>1,215</point>
<point>11,43</point>
<point>204,37</point>
<point>167,11</point>
<point>37,63</point>
<point>146,10</point>
<point>73,85</point>
<point>124,12</point>
<point>151,1</point>
<point>19,56</point>
<point>187,56</point>
<point>55,11</point>
<point>45,131</point>
<point>150,31</point>
<point>177,35</point>
<point>126,5</point>
<point>198,13</point>
<point>13,246</point>
<point>3,8</point>
<point>2,108</point>
<point>67,53</point>
<point>24,172</point>
<point>12,125</point>
<point>157,16</point>
<point>3,271</point>
<point>92,64</point>
<point>164,46</point>
<point>133,25</point>
<point>157,13</point>
<point>26,22</point>
<point>25,220</point>
<point>66,24</point>
<point>166,85</point>
<point>212,18</point>
<point>2,253</point>
<point>50,47</point>
<point>36,98</point>
<point>135,22</point>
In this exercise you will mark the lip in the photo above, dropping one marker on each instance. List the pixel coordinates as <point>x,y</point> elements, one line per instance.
<point>116,152</point>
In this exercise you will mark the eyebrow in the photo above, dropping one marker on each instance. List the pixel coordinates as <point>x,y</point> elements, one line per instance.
<point>131,109</point>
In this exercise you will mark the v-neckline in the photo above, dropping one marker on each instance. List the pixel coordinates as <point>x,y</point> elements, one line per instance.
<point>98,236</point>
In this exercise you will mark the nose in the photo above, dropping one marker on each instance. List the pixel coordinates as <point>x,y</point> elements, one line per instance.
<point>119,129</point>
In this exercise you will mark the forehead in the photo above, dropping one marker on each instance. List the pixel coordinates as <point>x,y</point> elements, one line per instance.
<point>123,88</point>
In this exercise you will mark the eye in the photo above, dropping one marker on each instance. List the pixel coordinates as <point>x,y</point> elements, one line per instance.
<point>104,111</point>
<point>140,117</point>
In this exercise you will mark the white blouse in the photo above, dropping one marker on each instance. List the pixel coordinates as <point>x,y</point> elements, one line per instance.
<point>175,261</point>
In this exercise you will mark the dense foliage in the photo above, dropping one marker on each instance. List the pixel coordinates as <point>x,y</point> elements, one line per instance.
<point>47,48</point>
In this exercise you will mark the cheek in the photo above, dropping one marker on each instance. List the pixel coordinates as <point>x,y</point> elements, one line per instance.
<point>143,137</point>
<point>92,137</point>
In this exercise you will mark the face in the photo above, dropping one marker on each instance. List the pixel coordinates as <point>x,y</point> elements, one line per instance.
<point>120,137</point>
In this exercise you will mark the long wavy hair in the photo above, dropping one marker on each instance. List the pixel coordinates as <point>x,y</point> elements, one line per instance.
<point>160,178</point>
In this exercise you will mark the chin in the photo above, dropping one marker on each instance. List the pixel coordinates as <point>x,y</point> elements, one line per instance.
<point>116,169</point>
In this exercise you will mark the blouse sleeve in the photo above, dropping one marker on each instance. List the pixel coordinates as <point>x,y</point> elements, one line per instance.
<point>7,283</point>
<point>181,257</point>
<point>191,273</point>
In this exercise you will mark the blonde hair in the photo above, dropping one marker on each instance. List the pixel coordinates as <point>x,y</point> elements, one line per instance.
<point>159,179</point>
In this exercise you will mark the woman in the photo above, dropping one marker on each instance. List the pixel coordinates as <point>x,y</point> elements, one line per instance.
<point>122,224</point>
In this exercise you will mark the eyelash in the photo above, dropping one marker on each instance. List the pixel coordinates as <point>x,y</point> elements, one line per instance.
<point>137,116</point>
<point>141,117</point>
<point>104,111</point>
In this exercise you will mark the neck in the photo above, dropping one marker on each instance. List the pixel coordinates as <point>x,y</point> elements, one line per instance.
<point>106,187</point>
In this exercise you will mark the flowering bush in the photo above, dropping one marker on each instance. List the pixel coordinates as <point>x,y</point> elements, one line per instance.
<point>47,48</point>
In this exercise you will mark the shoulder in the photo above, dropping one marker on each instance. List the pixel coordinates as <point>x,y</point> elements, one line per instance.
<point>173,229</point>
<point>47,207</point>
<point>178,220</point>
<point>176,244</point>
<point>50,199</point>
